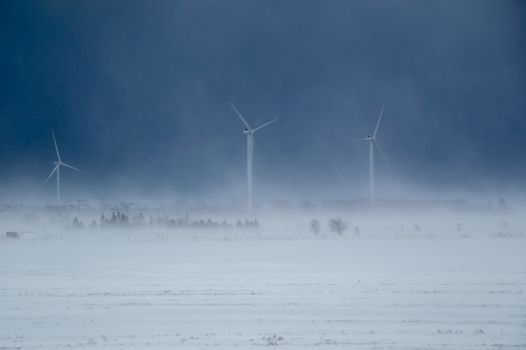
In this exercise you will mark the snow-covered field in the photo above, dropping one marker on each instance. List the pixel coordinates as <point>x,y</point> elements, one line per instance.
<point>337,293</point>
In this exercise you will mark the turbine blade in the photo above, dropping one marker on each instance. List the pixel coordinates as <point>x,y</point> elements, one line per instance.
<point>51,174</point>
<point>263,125</point>
<point>382,153</point>
<point>361,139</point>
<point>240,116</point>
<point>378,122</point>
<point>55,142</point>
<point>72,167</point>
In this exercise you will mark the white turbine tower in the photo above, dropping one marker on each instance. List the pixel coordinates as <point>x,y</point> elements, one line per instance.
<point>56,169</point>
<point>372,144</point>
<point>250,154</point>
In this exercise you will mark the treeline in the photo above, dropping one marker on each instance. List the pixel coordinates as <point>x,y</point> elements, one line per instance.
<point>122,220</point>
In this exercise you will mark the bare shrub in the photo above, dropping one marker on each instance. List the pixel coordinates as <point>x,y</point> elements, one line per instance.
<point>273,340</point>
<point>315,226</point>
<point>337,225</point>
<point>12,235</point>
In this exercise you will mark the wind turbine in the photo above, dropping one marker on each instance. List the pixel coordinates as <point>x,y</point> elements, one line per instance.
<point>56,169</point>
<point>250,153</point>
<point>372,144</point>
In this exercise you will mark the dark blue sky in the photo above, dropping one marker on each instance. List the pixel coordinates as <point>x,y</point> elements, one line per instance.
<point>137,92</point>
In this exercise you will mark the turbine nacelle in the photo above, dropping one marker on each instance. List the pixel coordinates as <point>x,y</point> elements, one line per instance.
<point>248,130</point>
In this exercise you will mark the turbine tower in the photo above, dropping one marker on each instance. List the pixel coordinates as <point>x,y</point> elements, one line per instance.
<point>56,168</point>
<point>372,144</point>
<point>250,154</point>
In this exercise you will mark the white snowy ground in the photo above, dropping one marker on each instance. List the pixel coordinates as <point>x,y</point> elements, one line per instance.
<point>335,293</point>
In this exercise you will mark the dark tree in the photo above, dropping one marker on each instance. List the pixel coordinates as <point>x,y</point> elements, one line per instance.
<point>337,225</point>
<point>315,226</point>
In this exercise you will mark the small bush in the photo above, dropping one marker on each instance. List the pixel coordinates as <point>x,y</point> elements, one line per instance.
<point>12,235</point>
<point>273,340</point>
<point>315,226</point>
<point>337,225</point>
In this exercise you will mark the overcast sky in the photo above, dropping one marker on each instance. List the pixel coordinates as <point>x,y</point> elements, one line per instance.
<point>137,93</point>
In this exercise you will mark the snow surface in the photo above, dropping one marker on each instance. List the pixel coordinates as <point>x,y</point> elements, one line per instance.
<point>336,293</point>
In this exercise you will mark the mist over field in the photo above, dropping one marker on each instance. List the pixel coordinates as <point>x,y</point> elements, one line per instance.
<point>298,174</point>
